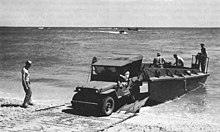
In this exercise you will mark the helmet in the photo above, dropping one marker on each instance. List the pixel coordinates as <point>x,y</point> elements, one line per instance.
<point>28,62</point>
<point>158,54</point>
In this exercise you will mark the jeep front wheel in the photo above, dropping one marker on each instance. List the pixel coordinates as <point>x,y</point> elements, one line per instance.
<point>107,106</point>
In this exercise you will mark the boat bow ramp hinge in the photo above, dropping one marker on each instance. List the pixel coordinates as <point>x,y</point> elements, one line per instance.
<point>169,73</point>
<point>186,72</point>
<point>178,73</point>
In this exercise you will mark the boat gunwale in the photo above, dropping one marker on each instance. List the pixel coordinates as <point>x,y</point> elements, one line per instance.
<point>176,77</point>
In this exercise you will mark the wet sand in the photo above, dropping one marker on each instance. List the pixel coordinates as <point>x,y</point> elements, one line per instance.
<point>144,122</point>
<point>52,112</point>
<point>60,118</point>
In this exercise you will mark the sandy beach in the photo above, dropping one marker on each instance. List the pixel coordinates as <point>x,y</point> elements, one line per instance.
<point>52,112</point>
<point>56,118</point>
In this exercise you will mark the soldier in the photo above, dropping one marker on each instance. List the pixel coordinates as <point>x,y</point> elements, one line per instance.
<point>26,84</point>
<point>158,61</point>
<point>203,57</point>
<point>179,62</point>
<point>123,84</point>
<point>125,79</point>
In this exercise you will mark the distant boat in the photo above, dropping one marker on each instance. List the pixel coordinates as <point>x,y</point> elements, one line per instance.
<point>105,28</point>
<point>133,29</point>
<point>40,28</point>
<point>123,32</point>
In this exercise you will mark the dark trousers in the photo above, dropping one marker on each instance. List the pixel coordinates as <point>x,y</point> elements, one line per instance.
<point>201,61</point>
<point>203,64</point>
<point>28,94</point>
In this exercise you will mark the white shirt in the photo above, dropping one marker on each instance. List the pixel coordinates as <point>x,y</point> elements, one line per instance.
<point>180,58</point>
<point>179,61</point>
<point>25,73</point>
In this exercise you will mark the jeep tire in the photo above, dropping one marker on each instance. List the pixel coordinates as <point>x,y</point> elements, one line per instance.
<point>107,105</point>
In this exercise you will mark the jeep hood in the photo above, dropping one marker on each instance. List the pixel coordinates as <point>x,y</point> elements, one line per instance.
<point>99,85</point>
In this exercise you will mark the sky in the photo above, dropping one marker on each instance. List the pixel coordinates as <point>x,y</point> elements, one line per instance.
<point>110,13</point>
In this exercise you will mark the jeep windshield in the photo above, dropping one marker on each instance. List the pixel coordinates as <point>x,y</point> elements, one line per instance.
<point>104,73</point>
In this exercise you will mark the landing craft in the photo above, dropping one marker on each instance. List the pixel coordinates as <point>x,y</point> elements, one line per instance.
<point>162,84</point>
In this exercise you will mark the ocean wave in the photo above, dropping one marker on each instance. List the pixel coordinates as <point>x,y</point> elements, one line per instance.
<point>111,32</point>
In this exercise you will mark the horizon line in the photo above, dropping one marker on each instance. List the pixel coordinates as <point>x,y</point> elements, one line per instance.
<point>101,27</point>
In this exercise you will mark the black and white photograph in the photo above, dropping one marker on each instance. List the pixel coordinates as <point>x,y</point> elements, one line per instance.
<point>109,65</point>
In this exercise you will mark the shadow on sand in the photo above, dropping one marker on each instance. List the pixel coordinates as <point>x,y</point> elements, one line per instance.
<point>11,105</point>
<point>82,112</point>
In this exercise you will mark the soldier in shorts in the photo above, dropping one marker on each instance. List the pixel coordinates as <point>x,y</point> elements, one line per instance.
<point>26,84</point>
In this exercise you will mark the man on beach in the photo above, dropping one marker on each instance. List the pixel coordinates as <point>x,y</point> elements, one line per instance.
<point>26,84</point>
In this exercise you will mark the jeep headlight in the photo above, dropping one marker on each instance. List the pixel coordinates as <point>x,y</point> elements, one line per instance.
<point>96,91</point>
<point>77,90</point>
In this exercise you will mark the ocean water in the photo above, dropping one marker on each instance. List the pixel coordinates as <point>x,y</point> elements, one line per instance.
<point>62,56</point>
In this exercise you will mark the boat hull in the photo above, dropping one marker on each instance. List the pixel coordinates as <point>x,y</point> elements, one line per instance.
<point>162,90</point>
